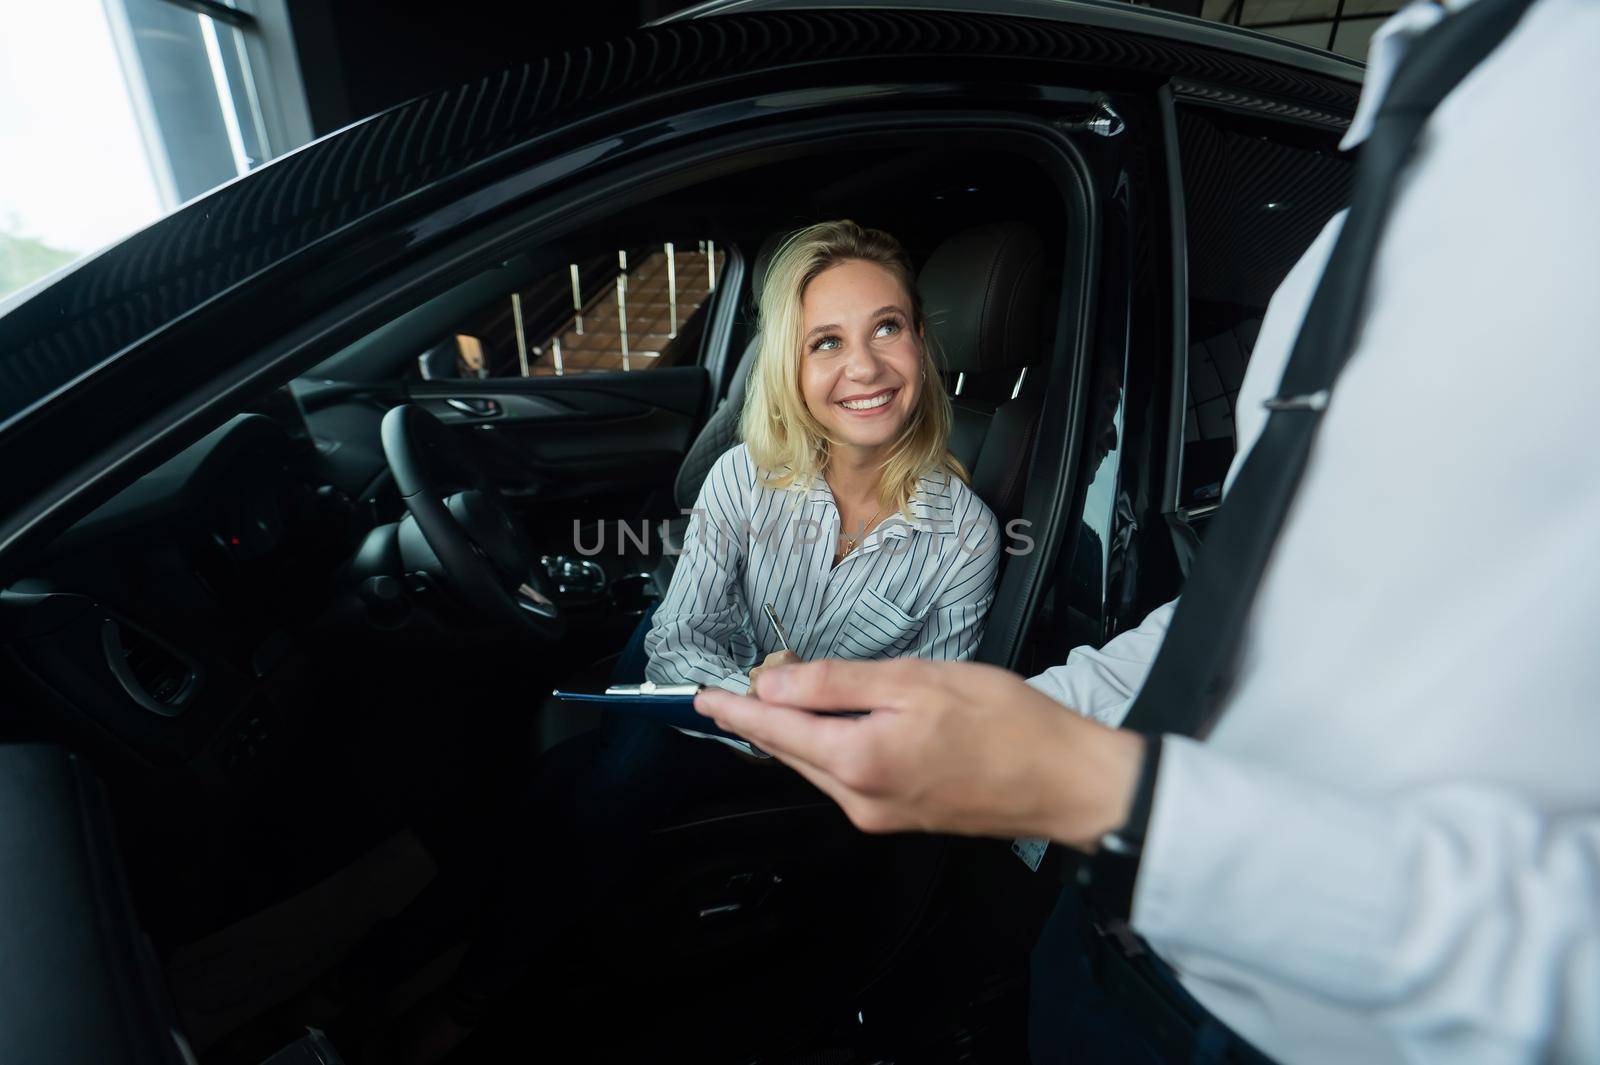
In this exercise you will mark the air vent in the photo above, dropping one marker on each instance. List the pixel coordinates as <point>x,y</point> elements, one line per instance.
<point>160,674</point>
<point>156,676</point>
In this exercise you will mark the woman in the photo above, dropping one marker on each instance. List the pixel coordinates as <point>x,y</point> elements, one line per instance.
<point>843,509</point>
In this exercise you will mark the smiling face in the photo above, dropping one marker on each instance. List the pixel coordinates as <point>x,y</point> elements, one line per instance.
<point>861,354</point>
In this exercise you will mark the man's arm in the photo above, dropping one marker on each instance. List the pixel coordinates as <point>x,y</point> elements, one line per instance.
<point>948,746</point>
<point>1101,684</point>
<point>1458,916</point>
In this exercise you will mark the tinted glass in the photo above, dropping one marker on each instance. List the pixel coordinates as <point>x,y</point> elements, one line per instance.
<point>1256,195</point>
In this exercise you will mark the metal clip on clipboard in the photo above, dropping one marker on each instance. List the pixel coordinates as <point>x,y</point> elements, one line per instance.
<point>650,688</point>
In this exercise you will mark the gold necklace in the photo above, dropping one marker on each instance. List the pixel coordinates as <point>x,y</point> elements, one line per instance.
<point>850,541</point>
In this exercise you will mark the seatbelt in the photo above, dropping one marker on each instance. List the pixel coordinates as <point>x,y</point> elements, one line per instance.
<point>1194,670</point>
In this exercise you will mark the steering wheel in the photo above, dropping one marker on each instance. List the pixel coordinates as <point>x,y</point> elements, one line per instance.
<point>478,547</point>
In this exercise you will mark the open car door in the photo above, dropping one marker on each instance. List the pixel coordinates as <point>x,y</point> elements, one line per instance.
<point>80,982</point>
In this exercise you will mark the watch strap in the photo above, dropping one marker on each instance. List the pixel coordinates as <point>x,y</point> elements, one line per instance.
<point>1107,877</point>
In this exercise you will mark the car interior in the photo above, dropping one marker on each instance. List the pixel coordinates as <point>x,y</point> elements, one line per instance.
<point>310,656</point>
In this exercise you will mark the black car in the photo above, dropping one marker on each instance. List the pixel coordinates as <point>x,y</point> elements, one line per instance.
<point>273,665</point>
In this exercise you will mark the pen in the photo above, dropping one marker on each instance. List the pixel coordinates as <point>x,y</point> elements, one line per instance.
<point>777,626</point>
<point>783,638</point>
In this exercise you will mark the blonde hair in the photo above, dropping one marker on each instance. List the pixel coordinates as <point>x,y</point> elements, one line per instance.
<point>786,442</point>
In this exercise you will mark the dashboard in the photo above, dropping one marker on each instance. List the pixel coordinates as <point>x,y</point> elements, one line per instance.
<point>172,624</point>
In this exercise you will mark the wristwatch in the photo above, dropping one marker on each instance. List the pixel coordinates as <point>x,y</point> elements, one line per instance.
<point>1107,877</point>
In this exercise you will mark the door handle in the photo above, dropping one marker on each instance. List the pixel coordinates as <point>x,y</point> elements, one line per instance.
<point>475,407</point>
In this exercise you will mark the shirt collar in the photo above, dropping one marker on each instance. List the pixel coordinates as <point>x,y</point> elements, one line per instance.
<point>1388,48</point>
<point>930,503</point>
<point>933,495</point>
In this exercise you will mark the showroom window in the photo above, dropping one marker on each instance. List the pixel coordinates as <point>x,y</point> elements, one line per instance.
<point>630,310</point>
<point>1342,26</point>
<point>114,112</point>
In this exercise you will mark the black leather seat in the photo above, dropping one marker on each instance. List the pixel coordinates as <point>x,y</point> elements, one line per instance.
<point>983,291</point>
<point>721,430</point>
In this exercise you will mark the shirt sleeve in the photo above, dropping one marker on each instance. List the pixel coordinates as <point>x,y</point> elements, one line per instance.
<point>690,638</point>
<point>953,626</point>
<point>1457,916</point>
<point>1102,683</point>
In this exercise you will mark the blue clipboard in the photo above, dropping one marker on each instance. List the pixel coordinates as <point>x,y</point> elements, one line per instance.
<point>670,704</point>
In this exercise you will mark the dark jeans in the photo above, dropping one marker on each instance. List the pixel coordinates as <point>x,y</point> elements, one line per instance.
<point>590,806</point>
<point>515,873</point>
<point>632,661</point>
<point>1072,1020</point>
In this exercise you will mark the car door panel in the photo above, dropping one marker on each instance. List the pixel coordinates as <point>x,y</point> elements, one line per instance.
<point>80,983</point>
<point>577,435</point>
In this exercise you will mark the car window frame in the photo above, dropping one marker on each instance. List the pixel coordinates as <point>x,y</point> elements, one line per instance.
<point>485,232</point>
<point>1257,109</point>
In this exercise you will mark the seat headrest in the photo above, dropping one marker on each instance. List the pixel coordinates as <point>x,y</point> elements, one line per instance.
<point>758,265</point>
<point>982,291</point>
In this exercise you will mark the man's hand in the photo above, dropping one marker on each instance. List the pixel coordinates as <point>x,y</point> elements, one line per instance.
<point>776,658</point>
<point>948,747</point>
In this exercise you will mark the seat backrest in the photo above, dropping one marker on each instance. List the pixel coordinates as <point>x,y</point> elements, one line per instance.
<point>720,433</point>
<point>984,293</point>
<point>721,430</point>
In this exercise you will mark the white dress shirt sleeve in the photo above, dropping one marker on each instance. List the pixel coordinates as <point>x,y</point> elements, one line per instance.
<point>1456,916</point>
<point>1101,683</point>
<point>691,635</point>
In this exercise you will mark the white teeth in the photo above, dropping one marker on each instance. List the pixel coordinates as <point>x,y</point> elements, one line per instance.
<point>866,404</point>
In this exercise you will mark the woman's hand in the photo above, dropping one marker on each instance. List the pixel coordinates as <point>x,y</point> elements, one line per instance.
<point>776,658</point>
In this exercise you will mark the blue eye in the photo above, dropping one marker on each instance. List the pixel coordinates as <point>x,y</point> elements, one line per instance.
<point>827,343</point>
<point>890,324</point>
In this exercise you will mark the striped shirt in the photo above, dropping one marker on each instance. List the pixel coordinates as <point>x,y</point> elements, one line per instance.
<point>917,586</point>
